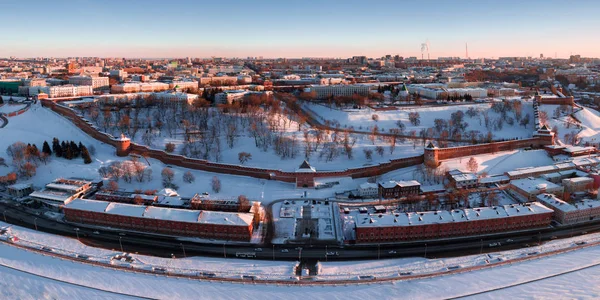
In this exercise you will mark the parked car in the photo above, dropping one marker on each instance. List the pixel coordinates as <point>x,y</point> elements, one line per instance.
<point>285,250</point>
<point>258,249</point>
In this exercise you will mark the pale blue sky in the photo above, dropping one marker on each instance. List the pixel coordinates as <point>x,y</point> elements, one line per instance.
<point>293,28</point>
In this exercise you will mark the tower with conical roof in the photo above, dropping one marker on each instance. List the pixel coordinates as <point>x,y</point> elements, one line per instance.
<point>431,155</point>
<point>545,135</point>
<point>305,175</point>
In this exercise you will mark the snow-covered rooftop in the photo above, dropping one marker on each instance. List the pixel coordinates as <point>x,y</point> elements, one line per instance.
<point>225,218</point>
<point>559,204</point>
<point>532,185</point>
<point>172,214</point>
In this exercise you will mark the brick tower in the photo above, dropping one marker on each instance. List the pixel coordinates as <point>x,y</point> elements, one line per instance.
<point>122,144</point>
<point>431,155</point>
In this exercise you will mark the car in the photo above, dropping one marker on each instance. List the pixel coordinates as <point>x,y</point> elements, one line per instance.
<point>122,234</point>
<point>553,237</point>
<point>299,248</point>
<point>392,252</point>
<point>47,249</point>
<point>509,240</point>
<point>331,253</point>
<point>285,250</point>
<point>96,232</point>
<point>494,244</point>
<point>258,249</point>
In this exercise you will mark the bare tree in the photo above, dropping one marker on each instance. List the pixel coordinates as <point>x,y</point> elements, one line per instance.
<point>243,157</point>
<point>188,177</point>
<point>472,165</point>
<point>215,184</point>
<point>167,176</point>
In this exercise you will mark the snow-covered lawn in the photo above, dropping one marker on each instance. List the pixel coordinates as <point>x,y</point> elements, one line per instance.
<point>501,162</point>
<point>362,119</point>
<point>261,158</point>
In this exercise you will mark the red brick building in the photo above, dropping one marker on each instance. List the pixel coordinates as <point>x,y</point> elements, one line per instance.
<point>398,227</point>
<point>395,189</point>
<point>169,221</point>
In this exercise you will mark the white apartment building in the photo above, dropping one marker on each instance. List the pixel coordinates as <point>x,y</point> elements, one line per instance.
<point>235,95</point>
<point>175,97</point>
<point>136,87</point>
<point>59,91</point>
<point>368,190</point>
<point>325,91</point>
<point>97,83</point>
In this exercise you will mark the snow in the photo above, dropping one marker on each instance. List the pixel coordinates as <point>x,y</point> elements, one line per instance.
<point>362,119</point>
<point>216,217</point>
<point>8,108</point>
<point>590,121</point>
<point>579,284</point>
<point>28,129</point>
<point>173,214</point>
<point>501,162</point>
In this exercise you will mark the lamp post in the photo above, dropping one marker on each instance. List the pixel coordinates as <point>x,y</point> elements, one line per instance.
<point>481,247</point>
<point>183,248</point>
<point>425,250</point>
<point>273,252</point>
<point>35,223</point>
<point>4,214</point>
<point>121,244</point>
<point>77,233</point>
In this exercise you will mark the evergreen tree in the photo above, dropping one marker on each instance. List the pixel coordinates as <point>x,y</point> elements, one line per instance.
<point>66,150</point>
<point>46,148</point>
<point>55,146</point>
<point>85,155</point>
<point>74,149</point>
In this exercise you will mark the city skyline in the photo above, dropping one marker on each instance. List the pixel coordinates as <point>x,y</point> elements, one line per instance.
<point>325,29</point>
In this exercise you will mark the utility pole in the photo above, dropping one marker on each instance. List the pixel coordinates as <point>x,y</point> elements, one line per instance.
<point>35,223</point>
<point>77,233</point>
<point>481,248</point>
<point>121,244</point>
<point>426,250</point>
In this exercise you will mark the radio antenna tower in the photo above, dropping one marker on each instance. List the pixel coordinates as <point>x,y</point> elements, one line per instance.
<point>466,51</point>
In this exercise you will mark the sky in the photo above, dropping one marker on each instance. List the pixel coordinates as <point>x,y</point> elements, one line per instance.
<point>296,28</point>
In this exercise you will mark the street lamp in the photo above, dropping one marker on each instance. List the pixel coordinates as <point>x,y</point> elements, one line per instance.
<point>4,214</point>
<point>273,252</point>
<point>77,233</point>
<point>224,253</point>
<point>121,244</point>
<point>425,250</point>
<point>481,247</point>
<point>183,248</point>
<point>35,223</point>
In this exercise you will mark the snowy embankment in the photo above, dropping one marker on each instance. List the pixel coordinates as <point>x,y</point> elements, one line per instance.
<point>391,268</point>
<point>508,281</point>
<point>220,267</point>
<point>590,121</point>
<point>8,108</point>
